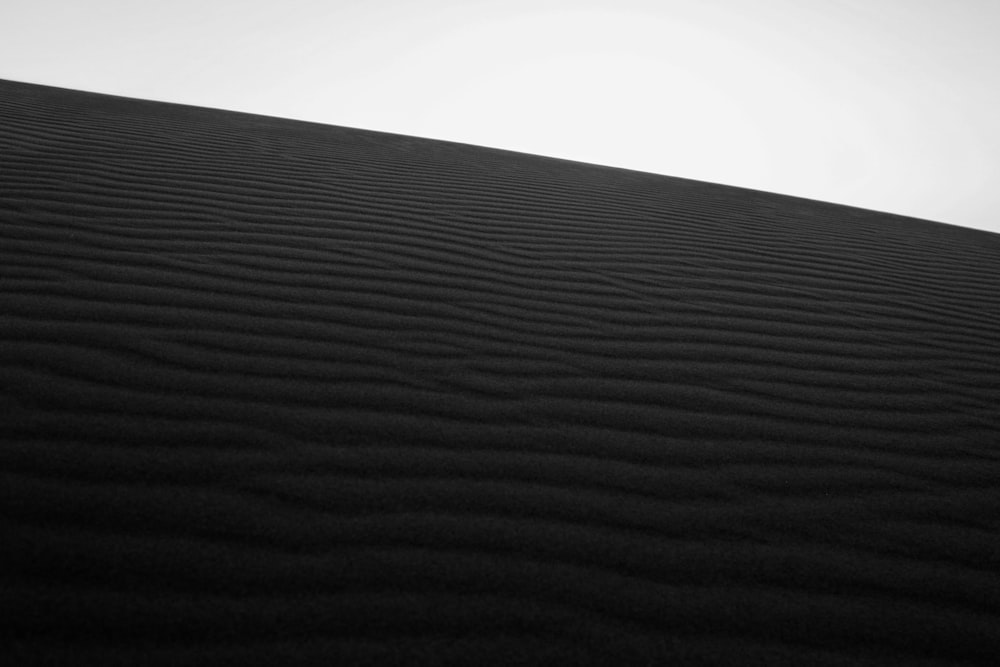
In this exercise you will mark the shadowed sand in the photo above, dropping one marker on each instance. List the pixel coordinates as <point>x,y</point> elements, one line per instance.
<point>275,391</point>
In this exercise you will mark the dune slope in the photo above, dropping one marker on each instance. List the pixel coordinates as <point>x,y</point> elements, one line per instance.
<point>279,391</point>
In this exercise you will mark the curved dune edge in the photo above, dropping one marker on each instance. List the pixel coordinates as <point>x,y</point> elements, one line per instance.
<point>279,391</point>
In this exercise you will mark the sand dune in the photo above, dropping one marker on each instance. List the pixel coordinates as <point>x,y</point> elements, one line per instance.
<point>279,391</point>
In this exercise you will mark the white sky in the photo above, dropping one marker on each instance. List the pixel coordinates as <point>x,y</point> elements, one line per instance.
<point>892,105</point>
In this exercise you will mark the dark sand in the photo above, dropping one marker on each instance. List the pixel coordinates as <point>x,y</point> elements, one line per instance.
<point>278,391</point>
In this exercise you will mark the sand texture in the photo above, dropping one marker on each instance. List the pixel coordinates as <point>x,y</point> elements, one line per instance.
<point>277,392</point>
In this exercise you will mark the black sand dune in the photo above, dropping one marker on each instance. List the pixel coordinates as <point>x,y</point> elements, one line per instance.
<point>277,391</point>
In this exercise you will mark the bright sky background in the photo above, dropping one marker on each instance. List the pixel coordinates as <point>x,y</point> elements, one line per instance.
<point>892,105</point>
